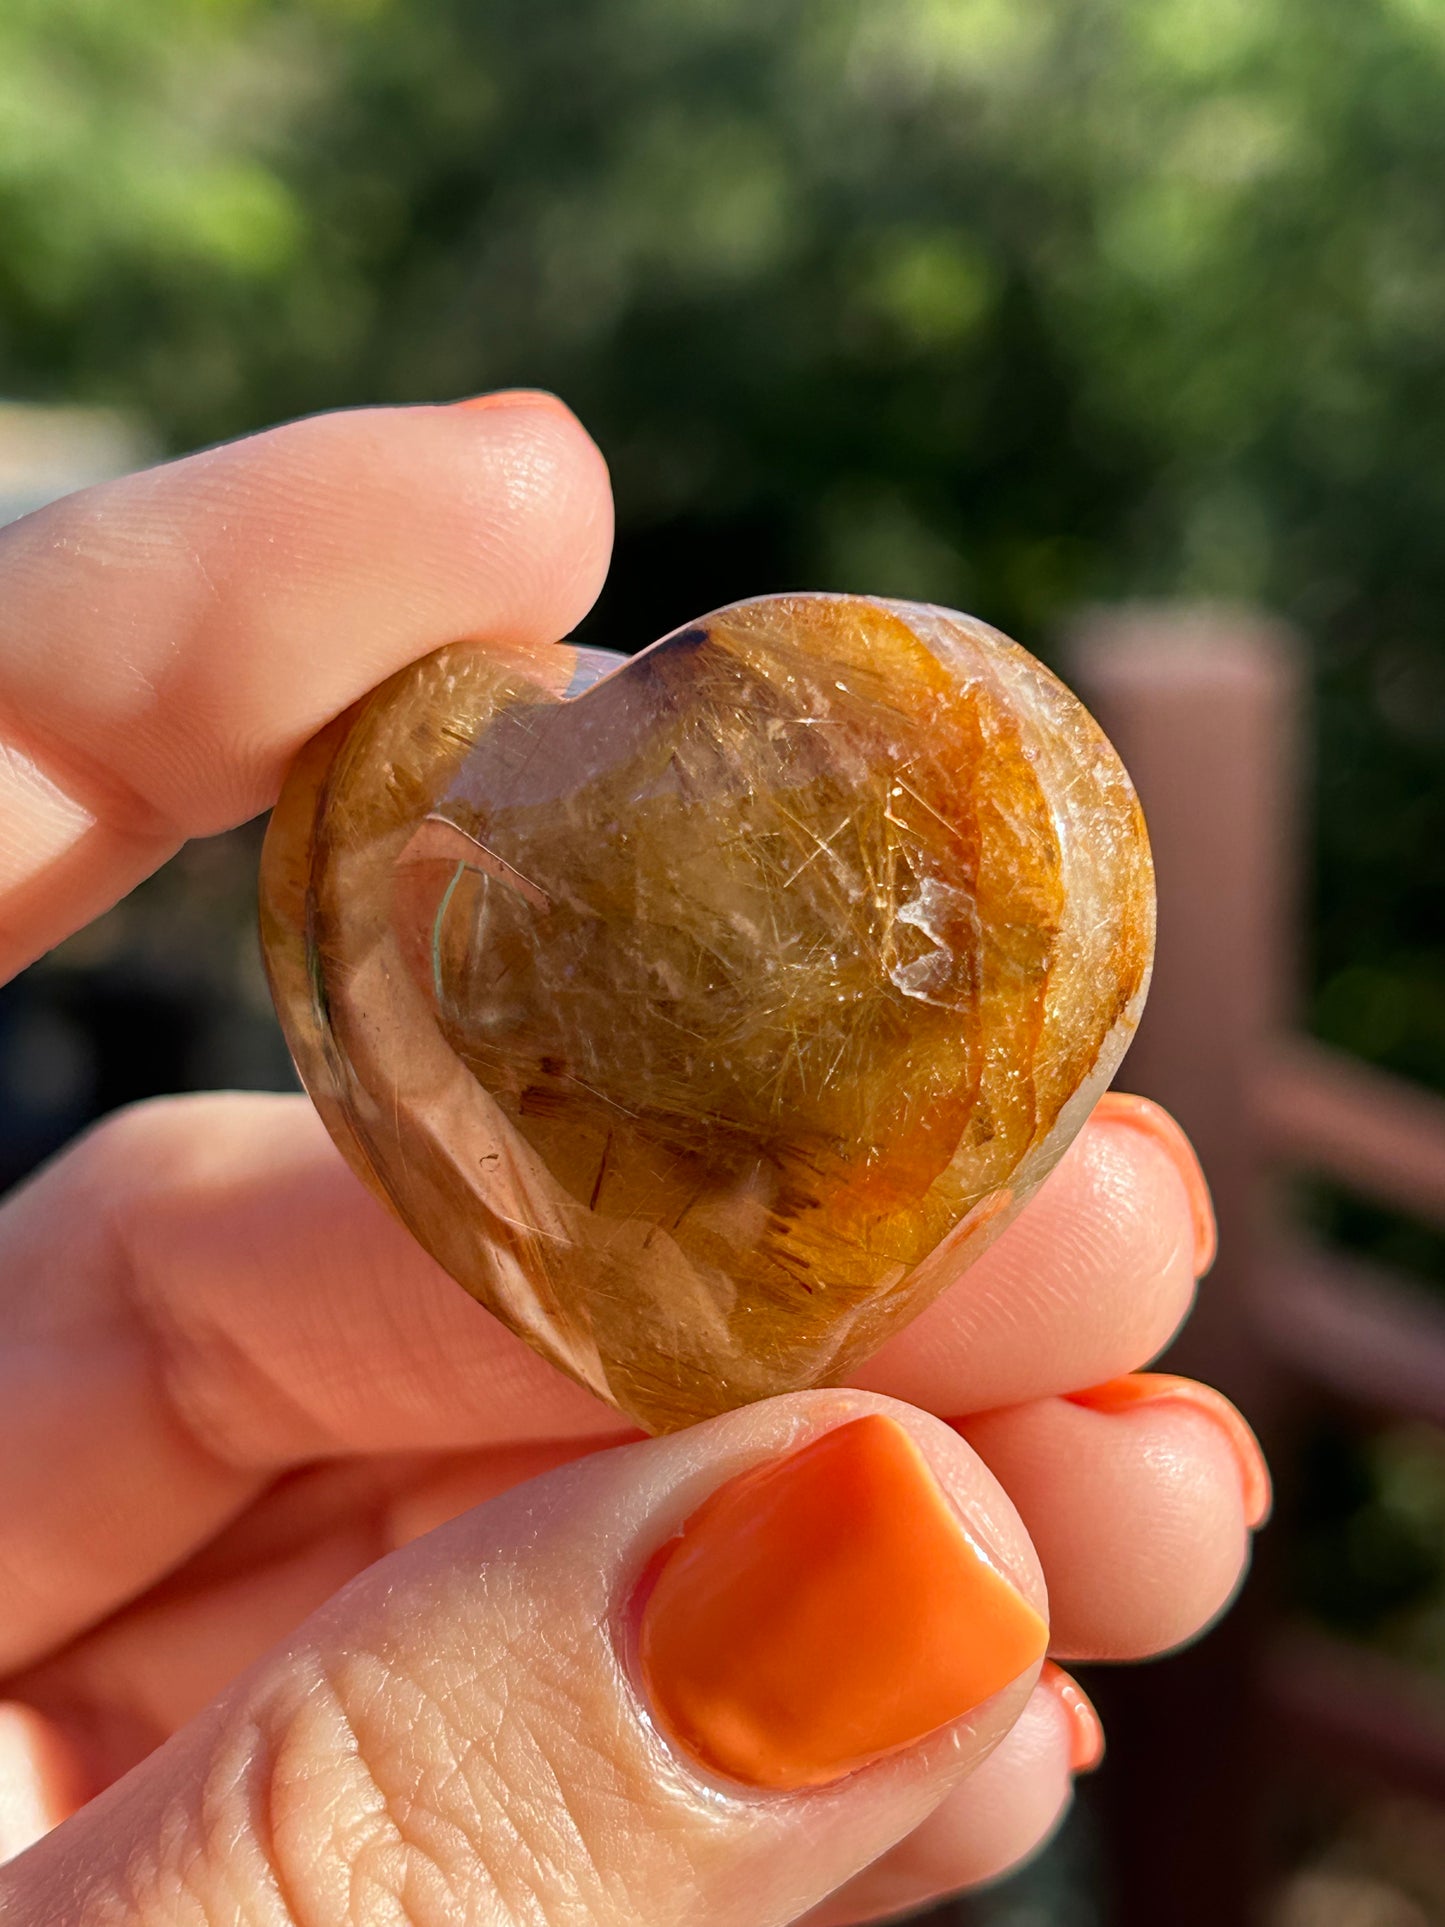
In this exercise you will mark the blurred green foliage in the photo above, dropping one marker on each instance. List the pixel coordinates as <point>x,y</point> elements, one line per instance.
<point>1369,1553</point>
<point>1008,303</point>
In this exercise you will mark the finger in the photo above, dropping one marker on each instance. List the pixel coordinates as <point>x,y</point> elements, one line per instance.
<point>168,641</point>
<point>1140,1501</point>
<point>164,1664</point>
<point>200,1296</point>
<point>123,1687</point>
<point>40,1782</point>
<point>194,1299</point>
<point>1001,1816</point>
<point>1141,1516</point>
<point>531,1712</point>
<point>1091,1281</point>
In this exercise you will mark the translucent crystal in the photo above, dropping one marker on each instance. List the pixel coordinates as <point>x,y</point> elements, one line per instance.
<point>705,1016</point>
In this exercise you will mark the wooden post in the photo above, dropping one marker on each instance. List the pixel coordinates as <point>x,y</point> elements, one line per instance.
<point>1204,705</point>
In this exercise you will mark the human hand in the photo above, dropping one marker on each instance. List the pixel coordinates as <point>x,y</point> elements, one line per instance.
<point>230,1383</point>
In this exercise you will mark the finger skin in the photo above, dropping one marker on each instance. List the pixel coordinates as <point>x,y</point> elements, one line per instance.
<point>200,1296</point>
<point>128,1366</point>
<point>1098,1268</point>
<point>1001,1816</point>
<point>122,1688</point>
<point>459,1728</point>
<point>39,1786</point>
<point>168,641</point>
<point>1138,1516</point>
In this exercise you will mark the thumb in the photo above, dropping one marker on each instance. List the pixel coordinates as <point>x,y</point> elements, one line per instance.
<point>703,1677</point>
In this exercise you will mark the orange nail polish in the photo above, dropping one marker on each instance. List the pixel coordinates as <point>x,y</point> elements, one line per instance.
<point>516,398</point>
<point>1086,1729</point>
<point>825,1609</point>
<point>1119,1107</point>
<point>1140,1388</point>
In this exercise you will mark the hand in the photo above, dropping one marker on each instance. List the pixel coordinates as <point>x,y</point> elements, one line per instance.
<point>230,1384</point>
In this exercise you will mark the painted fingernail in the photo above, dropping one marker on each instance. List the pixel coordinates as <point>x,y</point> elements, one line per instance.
<point>825,1609</point>
<point>1086,1729</point>
<point>1141,1388</point>
<point>1119,1107</point>
<point>517,398</point>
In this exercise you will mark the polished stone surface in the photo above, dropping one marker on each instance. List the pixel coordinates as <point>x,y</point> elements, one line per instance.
<point>706,1019</point>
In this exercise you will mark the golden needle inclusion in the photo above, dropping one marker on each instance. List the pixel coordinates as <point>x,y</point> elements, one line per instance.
<point>706,1019</point>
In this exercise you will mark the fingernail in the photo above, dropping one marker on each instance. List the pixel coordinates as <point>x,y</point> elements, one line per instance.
<point>517,398</point>
<point>1119,1107</point>
<point>1141,1388</point>
<point>1086,1729</point>
<point>825,1609</point>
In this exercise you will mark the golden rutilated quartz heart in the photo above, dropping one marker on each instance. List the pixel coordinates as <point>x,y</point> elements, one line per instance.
<point>706,1019</point>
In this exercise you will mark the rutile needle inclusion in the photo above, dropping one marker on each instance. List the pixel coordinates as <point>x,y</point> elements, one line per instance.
<point>705,1013</point>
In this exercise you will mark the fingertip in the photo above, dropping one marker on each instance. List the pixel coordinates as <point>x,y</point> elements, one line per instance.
<point>1123,1111</point>
<point>1138,1388</point>
<point>533,509</point>
<point>826,1609</point>
<point>210,615</point>
<point>535,514</point>
<point>1139,1517</point>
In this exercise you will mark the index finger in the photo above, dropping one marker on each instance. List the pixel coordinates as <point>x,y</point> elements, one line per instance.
<point>168,641</point>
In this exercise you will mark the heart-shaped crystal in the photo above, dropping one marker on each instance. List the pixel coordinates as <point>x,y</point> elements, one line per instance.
<point>705,1014</point>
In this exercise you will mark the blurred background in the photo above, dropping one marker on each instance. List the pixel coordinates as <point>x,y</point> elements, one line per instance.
<point>1120,323</point>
